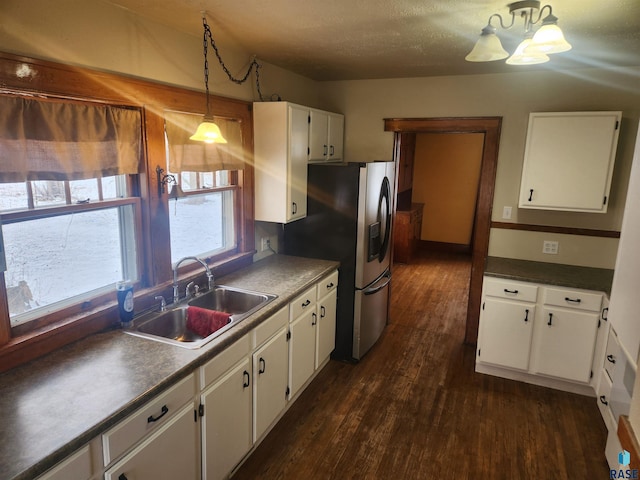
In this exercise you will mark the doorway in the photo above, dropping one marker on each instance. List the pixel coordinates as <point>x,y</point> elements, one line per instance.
<point>490,128</point>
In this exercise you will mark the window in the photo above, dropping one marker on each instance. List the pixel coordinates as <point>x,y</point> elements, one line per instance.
<point>81,211</point>
<point>65,242</point>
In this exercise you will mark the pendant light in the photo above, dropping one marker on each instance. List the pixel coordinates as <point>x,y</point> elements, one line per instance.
<point>524,55</point>
<point>208,131</point>
<point>487,48</point>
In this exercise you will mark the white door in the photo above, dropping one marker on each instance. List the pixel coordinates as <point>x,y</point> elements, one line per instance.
<point>297,174</point>
<point>302,350</point>
<point>326,331</point>
<point>318,136</point>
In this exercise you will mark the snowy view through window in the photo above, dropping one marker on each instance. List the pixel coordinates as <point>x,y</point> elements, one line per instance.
<point>50,260</point>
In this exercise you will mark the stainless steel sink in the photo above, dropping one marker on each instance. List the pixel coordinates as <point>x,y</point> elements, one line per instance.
<point>170,326</point>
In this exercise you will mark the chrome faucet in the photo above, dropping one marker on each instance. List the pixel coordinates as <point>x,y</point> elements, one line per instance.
<point>176,295</point>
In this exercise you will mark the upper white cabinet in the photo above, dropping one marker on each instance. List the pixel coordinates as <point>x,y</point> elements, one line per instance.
<point>281,137</point>
<point>326,134</point>
<point>568,161</point>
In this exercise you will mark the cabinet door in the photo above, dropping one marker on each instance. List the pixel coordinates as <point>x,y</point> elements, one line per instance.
<point>297,163</point>
<point>506,330</point>
<point>226,425</point>
<point>270,365</point>
<point>76,466</point>
<point>336,137</point>
<point>318,136</point>
<point>568,163</point>
<point>302,350</point>
<point>326,329</point>
<point>170,452</point>
<point>565,344</point>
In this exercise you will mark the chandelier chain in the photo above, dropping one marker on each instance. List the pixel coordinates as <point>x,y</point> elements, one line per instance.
<point>208,37</point>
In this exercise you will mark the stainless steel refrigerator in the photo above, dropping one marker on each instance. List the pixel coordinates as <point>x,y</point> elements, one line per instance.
<point>349,212</point>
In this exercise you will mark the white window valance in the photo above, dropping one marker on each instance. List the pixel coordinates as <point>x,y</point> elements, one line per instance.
<point>58,140</point>
<point>191,156</point>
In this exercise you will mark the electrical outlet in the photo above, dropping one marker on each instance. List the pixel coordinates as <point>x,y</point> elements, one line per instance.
<point>265,243</point>
<point>550,247</point>
<point>506,213</point>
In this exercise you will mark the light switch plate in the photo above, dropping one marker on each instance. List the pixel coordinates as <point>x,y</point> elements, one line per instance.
<point>550,247</point>
<point>506,213</point>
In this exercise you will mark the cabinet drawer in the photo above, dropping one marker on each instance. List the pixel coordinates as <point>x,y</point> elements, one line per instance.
<point>611,353</point>
<point>269,327</point>
<point>327,285</point>
<point>77,466</point>
<point>603,397</point>
<point>562,297</point>
<point>222,362</point>
<point>124,435</point>
<point>302,303</point>
<point>510,289</point>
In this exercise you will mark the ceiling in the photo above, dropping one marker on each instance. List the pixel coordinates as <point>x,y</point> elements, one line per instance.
<point>364,39</point>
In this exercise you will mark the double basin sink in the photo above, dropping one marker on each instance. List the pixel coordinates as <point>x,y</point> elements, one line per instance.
<point>170,326</point>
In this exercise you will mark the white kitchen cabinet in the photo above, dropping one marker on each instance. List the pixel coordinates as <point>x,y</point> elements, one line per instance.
<point>270,376</point>
<point>326,136</point>
<point>326,328</point>
<point>172,451</point>
<point>76,466</point>
<point>565,345</point>
<point>507,330</point>
<point>302,342</point>
<point>568,161</point>
<point>226,409</point>
<point>539,334</point>
<point>281,139</point>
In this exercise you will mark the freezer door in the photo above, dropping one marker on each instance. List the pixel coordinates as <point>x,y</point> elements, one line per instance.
<point>375,208</point>
<point>370,314</point>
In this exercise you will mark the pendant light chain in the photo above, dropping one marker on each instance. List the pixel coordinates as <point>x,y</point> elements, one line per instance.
<point>208,37</point>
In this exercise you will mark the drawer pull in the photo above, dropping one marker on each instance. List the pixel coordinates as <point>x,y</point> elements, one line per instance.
<point>531,195</point>
<point>603,400</point>
<point>246,379</point>
<point>122,477</point>
<point>262,366</point>
<point>513,292</point>
<point>611,358</point>
<point>572,300</point>
<point>526,315</point>
<point>329,286</point>
<point>605,313</point>
<point>323,311</point>
<point>550,319</point>
<point>314,319</point>
<point>306,304</point>
<point>164,411</point>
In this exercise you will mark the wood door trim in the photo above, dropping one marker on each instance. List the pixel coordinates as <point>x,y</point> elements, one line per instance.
<point>491,127</point>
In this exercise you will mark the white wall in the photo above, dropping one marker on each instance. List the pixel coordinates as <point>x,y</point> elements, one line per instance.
<point>511,96</point>
<point>95,34</point>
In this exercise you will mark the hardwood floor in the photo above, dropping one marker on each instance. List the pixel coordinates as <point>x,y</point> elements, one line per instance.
<point>414,408</point>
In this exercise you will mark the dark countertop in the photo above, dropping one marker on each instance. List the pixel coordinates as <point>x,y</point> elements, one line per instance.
<point>588,278</point>
<point>56,404</point>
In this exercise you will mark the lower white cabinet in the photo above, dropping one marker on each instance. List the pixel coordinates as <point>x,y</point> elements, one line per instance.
<point>565,344</point>
<point>270,368</point>
<point>226,424</point>
<point>76,466</point>
<point>539,334</point>
<point>507,330</point>
<point>172,451</point>
<point>326,329</point>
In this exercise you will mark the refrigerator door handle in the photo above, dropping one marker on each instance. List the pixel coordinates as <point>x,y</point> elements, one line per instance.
<point>376,288</point>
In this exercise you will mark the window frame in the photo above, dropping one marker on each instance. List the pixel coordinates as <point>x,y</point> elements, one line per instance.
<point>152,208</point>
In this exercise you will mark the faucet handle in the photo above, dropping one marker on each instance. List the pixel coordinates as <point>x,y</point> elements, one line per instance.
<point>163,303</point>
<point>187,292</point>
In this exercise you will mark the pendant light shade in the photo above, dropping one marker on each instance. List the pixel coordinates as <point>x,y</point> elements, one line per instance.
<point>208,132</point>
<point>488,47</point>
<point>522,56</point>
<point>549,38</point>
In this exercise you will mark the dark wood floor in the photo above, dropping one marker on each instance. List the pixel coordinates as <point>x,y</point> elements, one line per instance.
<point>413,408</point>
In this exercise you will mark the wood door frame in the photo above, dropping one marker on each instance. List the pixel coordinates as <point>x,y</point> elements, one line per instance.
<point>490,127</point>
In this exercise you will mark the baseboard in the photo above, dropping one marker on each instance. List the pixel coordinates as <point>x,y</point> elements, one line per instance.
<point>541,381</point>
<point>444,247</point>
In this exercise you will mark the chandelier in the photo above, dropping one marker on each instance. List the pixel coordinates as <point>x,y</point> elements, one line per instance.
<point>536,46</point>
